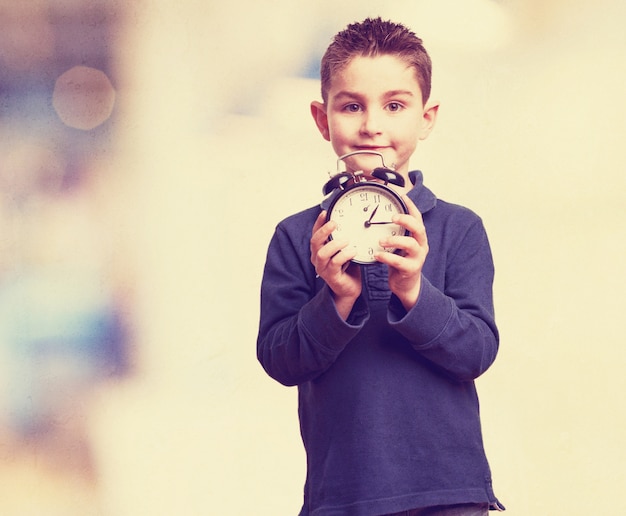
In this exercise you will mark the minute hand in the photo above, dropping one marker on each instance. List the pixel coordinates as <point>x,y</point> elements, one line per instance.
<point>377,223</point>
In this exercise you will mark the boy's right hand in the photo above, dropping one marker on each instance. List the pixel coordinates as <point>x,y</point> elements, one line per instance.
<point>331,259</point>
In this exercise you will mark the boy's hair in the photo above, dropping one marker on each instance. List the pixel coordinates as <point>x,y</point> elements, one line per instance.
<point>371,38</point>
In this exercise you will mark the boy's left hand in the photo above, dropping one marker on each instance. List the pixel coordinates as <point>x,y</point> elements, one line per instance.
<point>405,266</point>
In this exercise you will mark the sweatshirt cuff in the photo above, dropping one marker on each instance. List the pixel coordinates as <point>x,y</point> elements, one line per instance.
<point>426,320</point>
<point>324,323</point>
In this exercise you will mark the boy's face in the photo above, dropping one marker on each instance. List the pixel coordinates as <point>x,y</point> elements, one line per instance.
<point>375,103</point>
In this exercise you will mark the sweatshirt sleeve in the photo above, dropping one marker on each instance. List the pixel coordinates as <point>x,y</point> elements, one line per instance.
<point>454,327</point>
<point>300,332</point>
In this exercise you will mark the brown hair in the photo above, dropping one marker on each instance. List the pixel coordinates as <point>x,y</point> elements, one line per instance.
<point>371,38</point>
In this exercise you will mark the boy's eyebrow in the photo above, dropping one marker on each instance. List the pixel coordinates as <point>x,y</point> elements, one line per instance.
<point>397,93</point>
<point>348,94</point>
<point>387,94</point>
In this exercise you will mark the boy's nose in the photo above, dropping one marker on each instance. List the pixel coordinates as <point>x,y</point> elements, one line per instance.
<point>371,124</point>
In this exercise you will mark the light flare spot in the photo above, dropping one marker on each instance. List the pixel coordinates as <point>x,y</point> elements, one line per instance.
<point>83,97</point>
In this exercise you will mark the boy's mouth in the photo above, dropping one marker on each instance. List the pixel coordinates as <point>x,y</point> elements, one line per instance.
<point>375,148</point>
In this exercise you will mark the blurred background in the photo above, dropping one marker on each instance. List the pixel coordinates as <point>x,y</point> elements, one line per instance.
<point>148,149</point>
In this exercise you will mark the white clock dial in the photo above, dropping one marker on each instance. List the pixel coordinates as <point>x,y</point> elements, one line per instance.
<point>363,215</point>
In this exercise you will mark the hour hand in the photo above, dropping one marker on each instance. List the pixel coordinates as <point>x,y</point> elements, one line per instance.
<point>373,213</point>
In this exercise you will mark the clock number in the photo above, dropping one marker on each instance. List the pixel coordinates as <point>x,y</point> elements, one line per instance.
<point>388,207</point>
<point>363,196</point>
<point>370,251</point>
<point>377,198</point>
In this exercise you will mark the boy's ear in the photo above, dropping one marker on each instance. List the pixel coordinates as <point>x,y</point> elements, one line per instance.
<point>429,118</point>
<point>318,110</point>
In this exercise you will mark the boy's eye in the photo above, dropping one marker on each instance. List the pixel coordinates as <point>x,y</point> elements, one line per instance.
<point>353,108</point>
<point>394,106</point>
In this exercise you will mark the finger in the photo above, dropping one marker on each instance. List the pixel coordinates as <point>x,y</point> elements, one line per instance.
<point>331,249</point>
<point>393,260</point>
<point>333,259</point>
<point>403,246</point>
<point>340,261</point>
<point>413,210</point>
<point>319,222</point>
<point>321,231</point>
<point>413,222</point>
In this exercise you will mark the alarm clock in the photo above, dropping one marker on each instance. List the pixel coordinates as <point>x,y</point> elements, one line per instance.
<point>362,204</point>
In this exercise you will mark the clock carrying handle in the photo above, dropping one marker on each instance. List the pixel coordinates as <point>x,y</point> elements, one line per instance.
<point>344,179</point>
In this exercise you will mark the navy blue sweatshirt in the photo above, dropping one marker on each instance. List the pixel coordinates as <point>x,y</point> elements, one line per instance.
<point>388,409</point>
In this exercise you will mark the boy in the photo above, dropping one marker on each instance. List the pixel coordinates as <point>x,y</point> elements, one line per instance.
<point>384,355</point>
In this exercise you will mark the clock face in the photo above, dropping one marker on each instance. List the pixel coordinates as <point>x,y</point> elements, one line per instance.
<point>363,215</point>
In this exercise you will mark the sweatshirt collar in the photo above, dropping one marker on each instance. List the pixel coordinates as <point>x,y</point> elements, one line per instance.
<point>424,199</point>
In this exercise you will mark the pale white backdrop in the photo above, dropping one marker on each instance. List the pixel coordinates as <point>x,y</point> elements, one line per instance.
<point>219,146</point>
